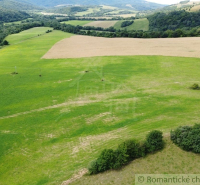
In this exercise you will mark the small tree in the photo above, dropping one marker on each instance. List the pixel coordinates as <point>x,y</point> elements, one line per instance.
<point>93,167</point>
<point>121,157</point>
<point>132,148</point>
<point>5,42</point>
<point>154,141</point>
<point>106,160</point>
<point>195,87</point>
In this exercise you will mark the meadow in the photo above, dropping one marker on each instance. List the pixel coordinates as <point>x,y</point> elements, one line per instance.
<point>139,24</point>
<point>77,22</point>
<point>58,114</point>
<point>102,24</point>
<point>90,10</point>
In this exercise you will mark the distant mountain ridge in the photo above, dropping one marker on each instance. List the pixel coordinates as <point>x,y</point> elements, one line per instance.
<point>52,3</point>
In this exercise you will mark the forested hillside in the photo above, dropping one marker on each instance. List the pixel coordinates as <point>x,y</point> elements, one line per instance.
<point>15,5</point>
<point>174,20</point>
<point>67,10</point>
<point>12,15</point>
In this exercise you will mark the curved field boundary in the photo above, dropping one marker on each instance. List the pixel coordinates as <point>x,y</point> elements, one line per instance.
<point>86,46</point>
<point>102,24</point>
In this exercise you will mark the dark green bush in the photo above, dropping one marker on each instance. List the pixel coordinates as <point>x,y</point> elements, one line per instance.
<point>187,138</point>
<point>132,148</point>
<point>106,160</point>
<point>154,141</point>
<point>126,23</point>
<point>195,87</point>
<point>121,157</point>
<point>93,167</point>
<point>142,149</point>
<point>5,42</point>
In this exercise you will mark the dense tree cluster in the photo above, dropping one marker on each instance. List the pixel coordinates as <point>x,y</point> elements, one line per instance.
<point>174,20</point>
<point>67,10</point>
<point>187,138</point>
<point>12,15</point>
<point>126,23</point>
<point>127,151</point>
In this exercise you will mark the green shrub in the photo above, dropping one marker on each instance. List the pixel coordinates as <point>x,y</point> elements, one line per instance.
<point>93,167</point>
<point>132,148</point>
<point>121,156</point>
<point>5,42</point>
<point>142,149</point>
<point>195,87</point>
<point>187,138</point>
<point>154,141</point>
<point>106,160</point>
<point>126,23</point>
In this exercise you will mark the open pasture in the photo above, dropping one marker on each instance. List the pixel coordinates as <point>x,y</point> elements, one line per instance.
<point>55,117</point>
<point>86,46</point>
<point>77,22</point>
<point>139,24</point>
<point>27,34</point>
<point>90,10</point>
<point>102,24</point>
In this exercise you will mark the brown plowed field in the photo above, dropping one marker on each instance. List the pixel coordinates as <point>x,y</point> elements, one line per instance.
<point>86,46</point>
<point>102,24</point>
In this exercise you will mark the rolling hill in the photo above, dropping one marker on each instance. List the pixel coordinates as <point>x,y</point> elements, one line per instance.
<point>12,15</point>
<point>135,4</point>
<point>17,5</point>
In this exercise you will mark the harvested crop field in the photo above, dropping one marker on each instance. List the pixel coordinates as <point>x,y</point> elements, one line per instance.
<point>86,46</point>
<point>102,24</point>
<point>125,15</point>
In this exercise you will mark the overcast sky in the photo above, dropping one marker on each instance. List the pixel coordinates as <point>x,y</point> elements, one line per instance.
<point>167,1</point>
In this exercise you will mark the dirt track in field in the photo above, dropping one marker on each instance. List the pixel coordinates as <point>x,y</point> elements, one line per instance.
<point>102,24</point>
<point>86,46</point>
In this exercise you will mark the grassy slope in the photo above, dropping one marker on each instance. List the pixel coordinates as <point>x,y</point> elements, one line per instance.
<point>75,23</point>
<point>90,10</point>
<point>140,93</point>
<point>25,35</point>
<point>172,160</point>
<point>195,8</point>
<point>139,24</point>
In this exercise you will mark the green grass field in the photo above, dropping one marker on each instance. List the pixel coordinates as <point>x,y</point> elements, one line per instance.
<point>139,24</point>
<point>75,23</point>
<point>55,118</point>
<point>90,10</point>
<point>27,34</point>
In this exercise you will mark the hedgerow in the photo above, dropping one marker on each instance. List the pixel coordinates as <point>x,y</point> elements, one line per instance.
<point>126,151</point>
